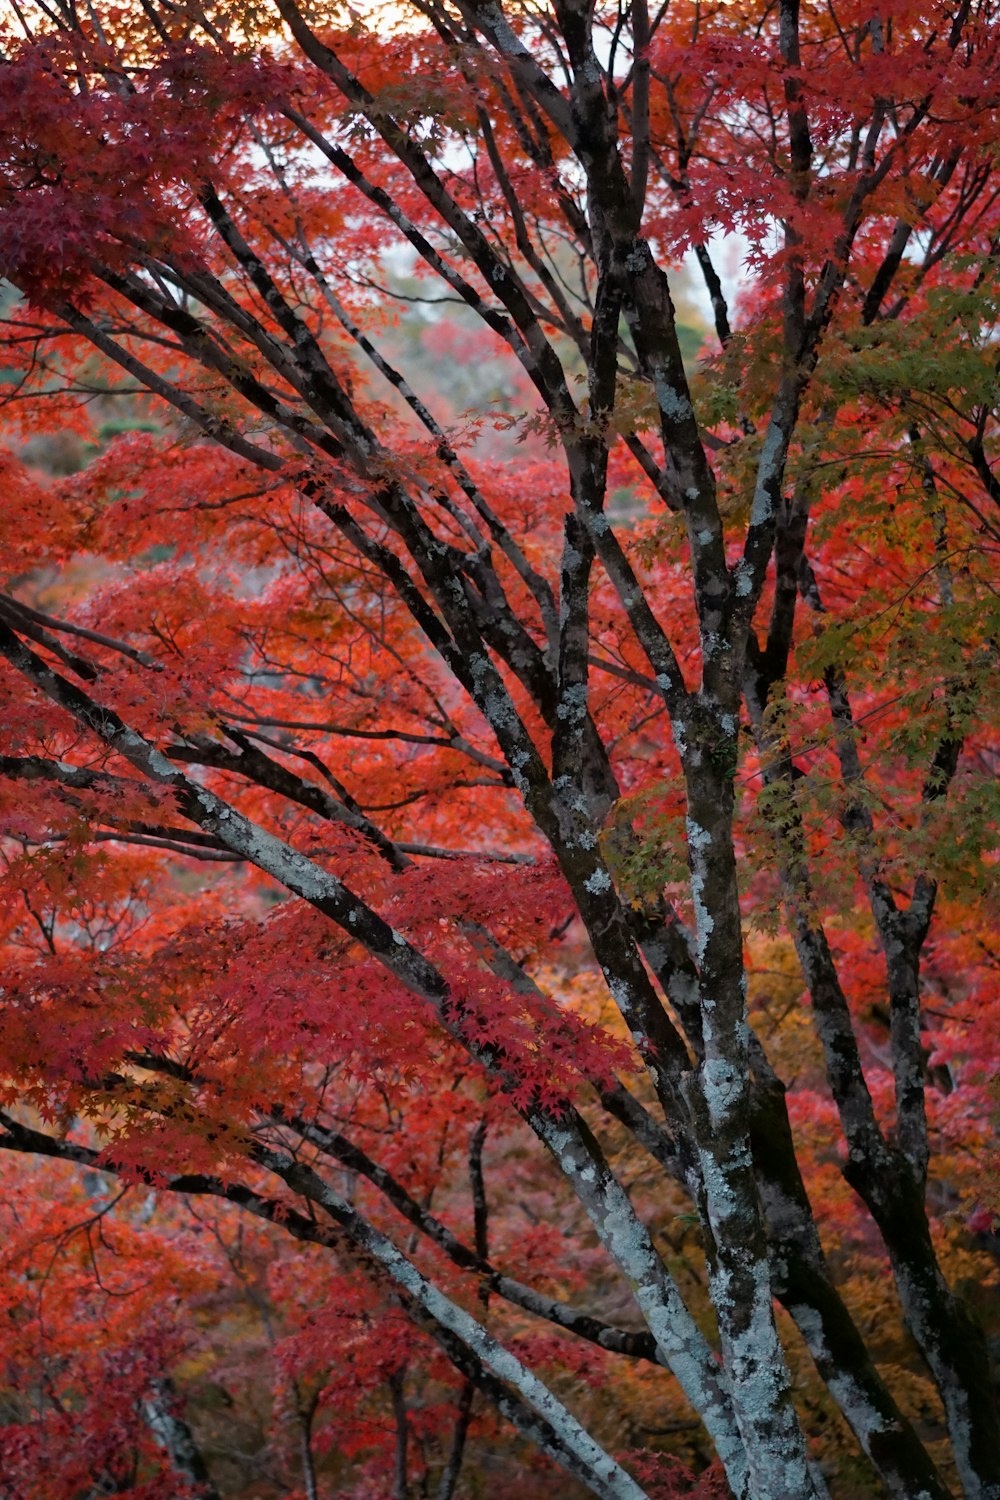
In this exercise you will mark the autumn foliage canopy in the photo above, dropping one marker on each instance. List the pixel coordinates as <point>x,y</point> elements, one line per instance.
<point>499,975</point>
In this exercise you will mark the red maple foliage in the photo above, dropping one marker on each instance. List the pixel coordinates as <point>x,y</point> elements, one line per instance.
<point>498,956</point>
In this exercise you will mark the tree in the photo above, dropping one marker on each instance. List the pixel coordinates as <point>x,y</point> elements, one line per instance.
<point>374,796</point>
